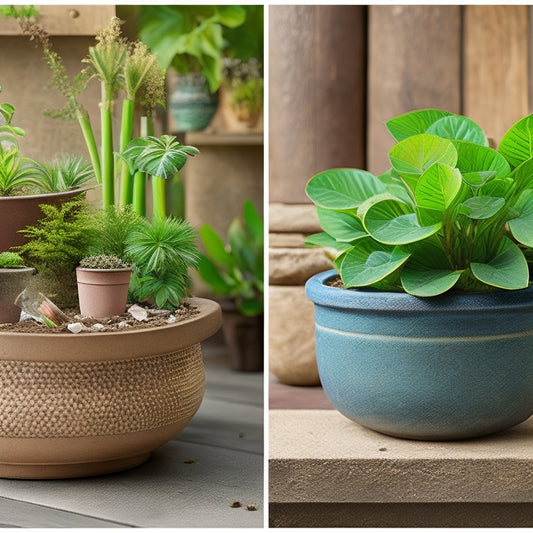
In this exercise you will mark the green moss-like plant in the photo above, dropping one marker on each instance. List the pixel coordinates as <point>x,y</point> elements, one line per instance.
<point>59,240</point>
<point>103,262</point>
<point>11,260</point>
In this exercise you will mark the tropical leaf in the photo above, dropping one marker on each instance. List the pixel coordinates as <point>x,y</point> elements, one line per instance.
<point>162,157</point>
<point>522,226</point>
<point>475,158</point>
<point>343,188</point>
<point>517,144</point>
<point>437,187</point>
<point>478,179</point>
<point>507,270</point>
<point>390,222</point>
<point>369,262</point>
<point>327,241</point>
<point>480,207</point>
<point>414,122</point>
<point>215,246</point>
<point>340,225</point>
<point>460,128</point>
<point>414,155</point>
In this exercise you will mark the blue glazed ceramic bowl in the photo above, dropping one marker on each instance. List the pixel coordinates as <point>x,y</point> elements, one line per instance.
<point>450,367</point>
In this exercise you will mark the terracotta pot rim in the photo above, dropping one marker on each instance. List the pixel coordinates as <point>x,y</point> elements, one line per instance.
<point>84,269</point>
<point>119,345</point>
<point>45,195</point>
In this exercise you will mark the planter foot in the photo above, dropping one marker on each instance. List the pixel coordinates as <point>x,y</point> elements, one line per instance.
<point>63,471</point>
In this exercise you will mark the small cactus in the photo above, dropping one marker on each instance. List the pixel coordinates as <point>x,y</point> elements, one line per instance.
<point>11,260</point>
<point>105,262</point>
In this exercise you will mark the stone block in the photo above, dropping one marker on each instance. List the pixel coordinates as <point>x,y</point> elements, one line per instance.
<point>286,240</point>
<point>293,218</point>
<point>294,266</point>
<point>292,336</point>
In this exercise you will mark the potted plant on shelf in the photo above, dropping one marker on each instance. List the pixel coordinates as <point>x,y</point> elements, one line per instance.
<point>235,271</point>
<point>14,277</point>
<point>25,184</point>
<point>190,39</point>
<point>423,330</point>
<point>242,95</point>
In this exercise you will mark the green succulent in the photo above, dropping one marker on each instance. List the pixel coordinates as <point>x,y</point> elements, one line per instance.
<point>450,213</point>
<point>103,262</point>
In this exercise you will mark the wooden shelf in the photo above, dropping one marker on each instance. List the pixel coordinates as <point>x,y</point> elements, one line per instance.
<point>65,20</point>
<point>224,139</point>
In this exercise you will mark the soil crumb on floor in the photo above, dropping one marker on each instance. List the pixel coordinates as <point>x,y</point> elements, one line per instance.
<point>124,322</point>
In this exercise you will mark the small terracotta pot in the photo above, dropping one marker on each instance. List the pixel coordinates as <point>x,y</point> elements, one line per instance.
<point>103,293</point>
<point>17,212</point>
<point>12,282</point>
<point>94,403</point>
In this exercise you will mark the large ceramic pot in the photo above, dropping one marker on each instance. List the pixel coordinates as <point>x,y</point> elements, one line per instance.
<point>449,367</point>
<point>17,212</point>
<point>12,282</point>
<point>191,103</point>
<point>90,404</point>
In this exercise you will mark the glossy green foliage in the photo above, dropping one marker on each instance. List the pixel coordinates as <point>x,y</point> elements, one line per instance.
<point>450,213</point>
<point>11,260</point>
<point>236,269</point>
<point>189,37</point>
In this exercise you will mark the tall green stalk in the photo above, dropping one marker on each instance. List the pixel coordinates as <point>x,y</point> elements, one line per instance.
<point>108,162</point>
<point>126,133</point>
<point>139,180</point>
<point>88,135</point>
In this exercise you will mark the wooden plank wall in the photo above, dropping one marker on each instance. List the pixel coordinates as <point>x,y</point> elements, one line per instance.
<point>317,94</point>
<point>471,59</point>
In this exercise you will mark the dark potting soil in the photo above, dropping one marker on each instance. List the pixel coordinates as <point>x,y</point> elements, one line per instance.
<point>124,322</point>
<point>336,282</point>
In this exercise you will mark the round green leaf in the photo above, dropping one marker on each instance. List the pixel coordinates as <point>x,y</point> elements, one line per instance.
<point>369,262</point>
<point>390,222</point>
<point>437,187</point>
<point>428,282</point>
<point>414,155</point>
<point>517,144</point>
<point>475,158</point>
<point>507,270</point>
<point>522,226</point>
<point>342,226</point>
<point>414,122</point>
<point>523,174</point>
<point>478,179</point>
<point>480,207</point>
<point>343,188</point>
<point>459,127</point>
<point>326,241</point>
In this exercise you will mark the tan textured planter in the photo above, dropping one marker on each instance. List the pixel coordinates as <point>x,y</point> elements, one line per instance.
<point>91,404</point>
<point>12,282</point>
<point>102,293</point>
<point>17,212</point>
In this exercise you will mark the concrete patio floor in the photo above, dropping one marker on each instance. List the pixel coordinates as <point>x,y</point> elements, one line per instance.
<point>188,482</point>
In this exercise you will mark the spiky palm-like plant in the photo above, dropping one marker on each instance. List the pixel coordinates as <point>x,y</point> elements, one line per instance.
<point>65,172</point>
<point>162,251</point>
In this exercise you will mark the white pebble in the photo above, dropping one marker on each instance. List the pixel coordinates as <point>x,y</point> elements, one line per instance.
<point>76,327</point>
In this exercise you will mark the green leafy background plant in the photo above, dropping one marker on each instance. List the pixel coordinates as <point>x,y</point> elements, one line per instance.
<point>450,213</point>
<point>236,269</point>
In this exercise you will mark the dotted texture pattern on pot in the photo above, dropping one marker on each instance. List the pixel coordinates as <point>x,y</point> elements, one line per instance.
<point>81,398</point>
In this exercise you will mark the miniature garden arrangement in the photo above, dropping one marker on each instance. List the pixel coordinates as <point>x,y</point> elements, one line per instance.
<point>95,389</point>
<point>423,330</point>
